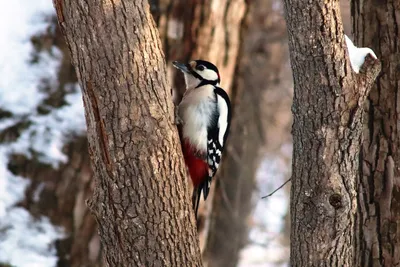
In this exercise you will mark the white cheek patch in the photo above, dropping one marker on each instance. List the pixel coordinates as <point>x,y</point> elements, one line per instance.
<point>208,74</point>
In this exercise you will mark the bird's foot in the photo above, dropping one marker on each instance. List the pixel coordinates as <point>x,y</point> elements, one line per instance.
<point>178,119</point>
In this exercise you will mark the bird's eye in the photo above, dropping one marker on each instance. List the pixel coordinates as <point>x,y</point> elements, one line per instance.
<point>200,67</point>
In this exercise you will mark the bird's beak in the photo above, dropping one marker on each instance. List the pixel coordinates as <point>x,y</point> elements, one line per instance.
<point>181,66</point>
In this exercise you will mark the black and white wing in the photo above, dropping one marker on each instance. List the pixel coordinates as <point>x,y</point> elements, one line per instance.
<point>216,136</point>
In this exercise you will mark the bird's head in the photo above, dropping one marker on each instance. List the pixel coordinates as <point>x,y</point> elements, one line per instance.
<point>198,72</point>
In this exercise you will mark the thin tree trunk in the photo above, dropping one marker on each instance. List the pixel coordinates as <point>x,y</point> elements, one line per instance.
<point>377,26</point>
<point>259,68</point>
<point>141,200</point>
<point>327,109</point>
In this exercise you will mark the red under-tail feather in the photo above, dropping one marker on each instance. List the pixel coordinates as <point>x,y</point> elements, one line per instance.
<point>198,170</point>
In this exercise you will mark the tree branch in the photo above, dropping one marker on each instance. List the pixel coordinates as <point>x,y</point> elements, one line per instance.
<point>273,192</point>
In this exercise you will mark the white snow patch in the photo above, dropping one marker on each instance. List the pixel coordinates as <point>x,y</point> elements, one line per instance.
<point>265,248</point>
<point>48,133</point>
<point>259,256</point>
<point>21,235</point>
<point>27,19</point>
<point>6,123</point>
<point>24,240</point>
<point>357,54</point>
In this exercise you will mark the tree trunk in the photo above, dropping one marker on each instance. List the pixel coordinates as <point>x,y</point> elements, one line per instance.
<point>327,109</point>
<point>140,201</point>
<point>376,26</point>
<point>258,73</point>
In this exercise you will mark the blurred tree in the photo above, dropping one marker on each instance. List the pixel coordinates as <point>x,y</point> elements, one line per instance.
<point>327,108</point>
<point>134,148</point>
<point>200,29</point>
<point>376,25</point>
<point>208,30</point>
<point>259,97</point>
<point>59,193</point>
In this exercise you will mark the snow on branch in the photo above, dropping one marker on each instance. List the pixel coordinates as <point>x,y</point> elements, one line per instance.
<point>357,54</point>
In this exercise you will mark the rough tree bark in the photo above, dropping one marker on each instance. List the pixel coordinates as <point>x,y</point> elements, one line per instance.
<point>257,83</point>
<point>141,200</point>
<point>327,110</point>
<point>376,25</point>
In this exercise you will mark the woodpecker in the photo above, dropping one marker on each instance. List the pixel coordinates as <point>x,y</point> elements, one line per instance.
<point>204,117</point>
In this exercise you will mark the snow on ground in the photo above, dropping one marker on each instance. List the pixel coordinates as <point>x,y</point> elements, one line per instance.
<point>265,247</point>
<point>357,54</point>
<point>24,240</point>
<point>48,133</point>
<point>19,21</point>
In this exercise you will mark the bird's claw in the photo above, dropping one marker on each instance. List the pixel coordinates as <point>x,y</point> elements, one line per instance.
<point>178,119</point>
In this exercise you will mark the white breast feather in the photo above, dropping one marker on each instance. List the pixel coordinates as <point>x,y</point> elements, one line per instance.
<point>195,110</point>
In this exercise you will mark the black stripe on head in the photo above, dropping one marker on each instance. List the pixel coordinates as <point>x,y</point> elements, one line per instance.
<point>207,65</point>
<point>194,73</point>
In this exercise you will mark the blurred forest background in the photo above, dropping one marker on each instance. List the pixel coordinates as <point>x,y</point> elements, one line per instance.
<point>45,174</point>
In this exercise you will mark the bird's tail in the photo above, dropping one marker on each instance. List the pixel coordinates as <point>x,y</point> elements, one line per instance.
<point>196,199</point>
